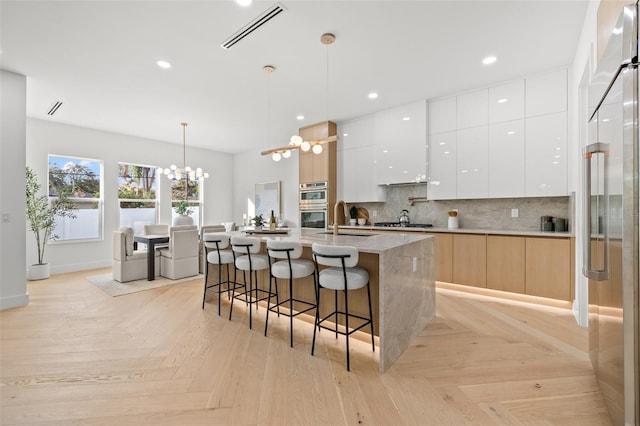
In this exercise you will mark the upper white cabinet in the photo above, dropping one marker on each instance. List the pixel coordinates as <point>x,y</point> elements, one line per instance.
<point>546,93</point>
<point>442,166</point>
<point>357,173</point>
<point>473,109</point>
<point>506,102</point>
<point>442,115</point>
<point>359,176</point>
<point>506,159</point>
<point>472,163</point>
<point>401,143</point>
<point>546,155</point>
<point>510,141</point>
<point>356,133</point>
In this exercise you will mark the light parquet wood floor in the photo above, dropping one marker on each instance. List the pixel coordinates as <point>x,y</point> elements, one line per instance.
<point>75,355</point>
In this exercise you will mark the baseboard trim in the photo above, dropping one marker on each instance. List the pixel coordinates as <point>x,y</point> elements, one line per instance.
<point>75,267</point>
<point>14,301</point>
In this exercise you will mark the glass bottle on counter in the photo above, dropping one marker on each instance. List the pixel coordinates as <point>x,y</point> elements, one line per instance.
<point>272,222</point>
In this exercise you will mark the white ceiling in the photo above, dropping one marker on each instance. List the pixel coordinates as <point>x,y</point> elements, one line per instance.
<point>98,58</point>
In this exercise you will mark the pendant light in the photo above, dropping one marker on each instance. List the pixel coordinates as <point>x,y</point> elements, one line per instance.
<point>185,173</point>
<point>296,142</point>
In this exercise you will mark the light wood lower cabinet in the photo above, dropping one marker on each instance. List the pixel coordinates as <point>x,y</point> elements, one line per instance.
<point>537,266</point>
<point>444,257</point>
<point>505,263</point>
<point>470,259</point>
<point>547,268</point>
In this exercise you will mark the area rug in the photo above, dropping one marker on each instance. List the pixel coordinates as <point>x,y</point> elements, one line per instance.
<point>106,283</point>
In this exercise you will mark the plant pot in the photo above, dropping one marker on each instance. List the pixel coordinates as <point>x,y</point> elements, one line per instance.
<point>182,219</point>
<point>352,222</point>
<point>39,272</point>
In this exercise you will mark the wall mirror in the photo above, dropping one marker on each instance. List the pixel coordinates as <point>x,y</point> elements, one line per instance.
<point>267,198</point>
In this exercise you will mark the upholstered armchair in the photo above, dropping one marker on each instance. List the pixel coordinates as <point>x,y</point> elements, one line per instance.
<point>156,229</point>
<point>128,265</point>
<point>207,229</point>
<point>180,260</point>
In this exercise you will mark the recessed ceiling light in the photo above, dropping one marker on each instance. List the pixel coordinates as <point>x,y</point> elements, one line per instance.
<point>511,132</point>
<point>345,134</point>
<point>385,151</point>
<point>443,143</point>
<point>244,3</point>
<point>163,64</point>
<point>406,118</point>
<point>489,60</point>
<point>299,117</point>
<point>501,101</point>
<point>373,95</point>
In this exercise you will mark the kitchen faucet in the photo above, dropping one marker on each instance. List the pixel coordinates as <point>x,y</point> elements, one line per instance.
<point>335,215</point>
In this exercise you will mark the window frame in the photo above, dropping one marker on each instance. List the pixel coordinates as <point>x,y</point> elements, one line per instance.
<point>155,200</point>
<point>99,201</point>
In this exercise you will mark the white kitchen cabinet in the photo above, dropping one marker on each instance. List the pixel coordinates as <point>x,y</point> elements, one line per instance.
<point>546,155</point>
<point>473,109</point>
<point>472,163</point>
<point>506,102</point>
<point>442,166</point>
<point>442,115</point>
<point>356,133</point>
<point>506,159</point>
<point>546,93</point>
<point>359,176</point>
<point>401,143</point>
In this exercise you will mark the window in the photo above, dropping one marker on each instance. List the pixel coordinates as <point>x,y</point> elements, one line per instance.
<point>81,178</point>
<point>137,196</point>
<point>192,189</point>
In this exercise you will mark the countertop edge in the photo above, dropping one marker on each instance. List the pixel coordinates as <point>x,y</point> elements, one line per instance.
<point>524,233</point>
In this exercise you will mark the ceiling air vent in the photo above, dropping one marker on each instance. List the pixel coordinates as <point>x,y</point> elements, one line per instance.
<point>264,17</point>
<point>54,108</point>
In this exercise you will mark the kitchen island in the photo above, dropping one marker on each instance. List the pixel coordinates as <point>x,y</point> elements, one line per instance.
<point>402,280</point>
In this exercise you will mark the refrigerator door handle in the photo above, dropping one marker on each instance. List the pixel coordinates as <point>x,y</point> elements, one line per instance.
<point>587,270</point>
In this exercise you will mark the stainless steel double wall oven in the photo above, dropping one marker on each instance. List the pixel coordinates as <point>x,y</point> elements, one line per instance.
<point>313,201</point>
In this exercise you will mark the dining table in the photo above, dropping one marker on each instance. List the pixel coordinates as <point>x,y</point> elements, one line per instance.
<point>151,241</point>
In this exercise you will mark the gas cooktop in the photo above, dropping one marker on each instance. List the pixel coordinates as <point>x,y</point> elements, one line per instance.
<point>398,225</point>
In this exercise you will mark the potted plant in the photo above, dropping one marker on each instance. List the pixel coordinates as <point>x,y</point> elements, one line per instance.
<point>41,217</point>
<point>258,221</point>
<point>353,212</point>
<point>184,210</point>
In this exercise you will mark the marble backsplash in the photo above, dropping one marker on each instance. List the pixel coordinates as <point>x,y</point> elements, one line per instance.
<point>481,213</point>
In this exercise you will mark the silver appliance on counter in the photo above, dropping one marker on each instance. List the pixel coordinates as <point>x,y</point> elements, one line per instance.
<point>313,203</point>
<point>611,232</point>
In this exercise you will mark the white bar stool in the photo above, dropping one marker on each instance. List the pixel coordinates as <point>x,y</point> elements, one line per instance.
<point>248,260</point>
<point>341,274</point>
<point>291,268</point>
<point>214,245</point>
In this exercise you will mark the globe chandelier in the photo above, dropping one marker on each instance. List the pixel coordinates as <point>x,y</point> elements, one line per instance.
<point>185,173</point>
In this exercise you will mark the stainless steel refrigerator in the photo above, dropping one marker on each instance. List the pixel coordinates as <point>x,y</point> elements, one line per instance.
<point>611,233</point>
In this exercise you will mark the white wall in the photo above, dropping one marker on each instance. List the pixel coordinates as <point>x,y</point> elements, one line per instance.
<point>45,137</point>
<point>251,168</point>
<point>584,58</point>
<point>13,107</point>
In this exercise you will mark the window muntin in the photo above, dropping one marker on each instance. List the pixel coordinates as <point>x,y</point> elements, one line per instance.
<point>82,179</point>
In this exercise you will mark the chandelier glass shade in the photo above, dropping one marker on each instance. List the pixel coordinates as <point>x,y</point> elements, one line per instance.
<point>185,172</point>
